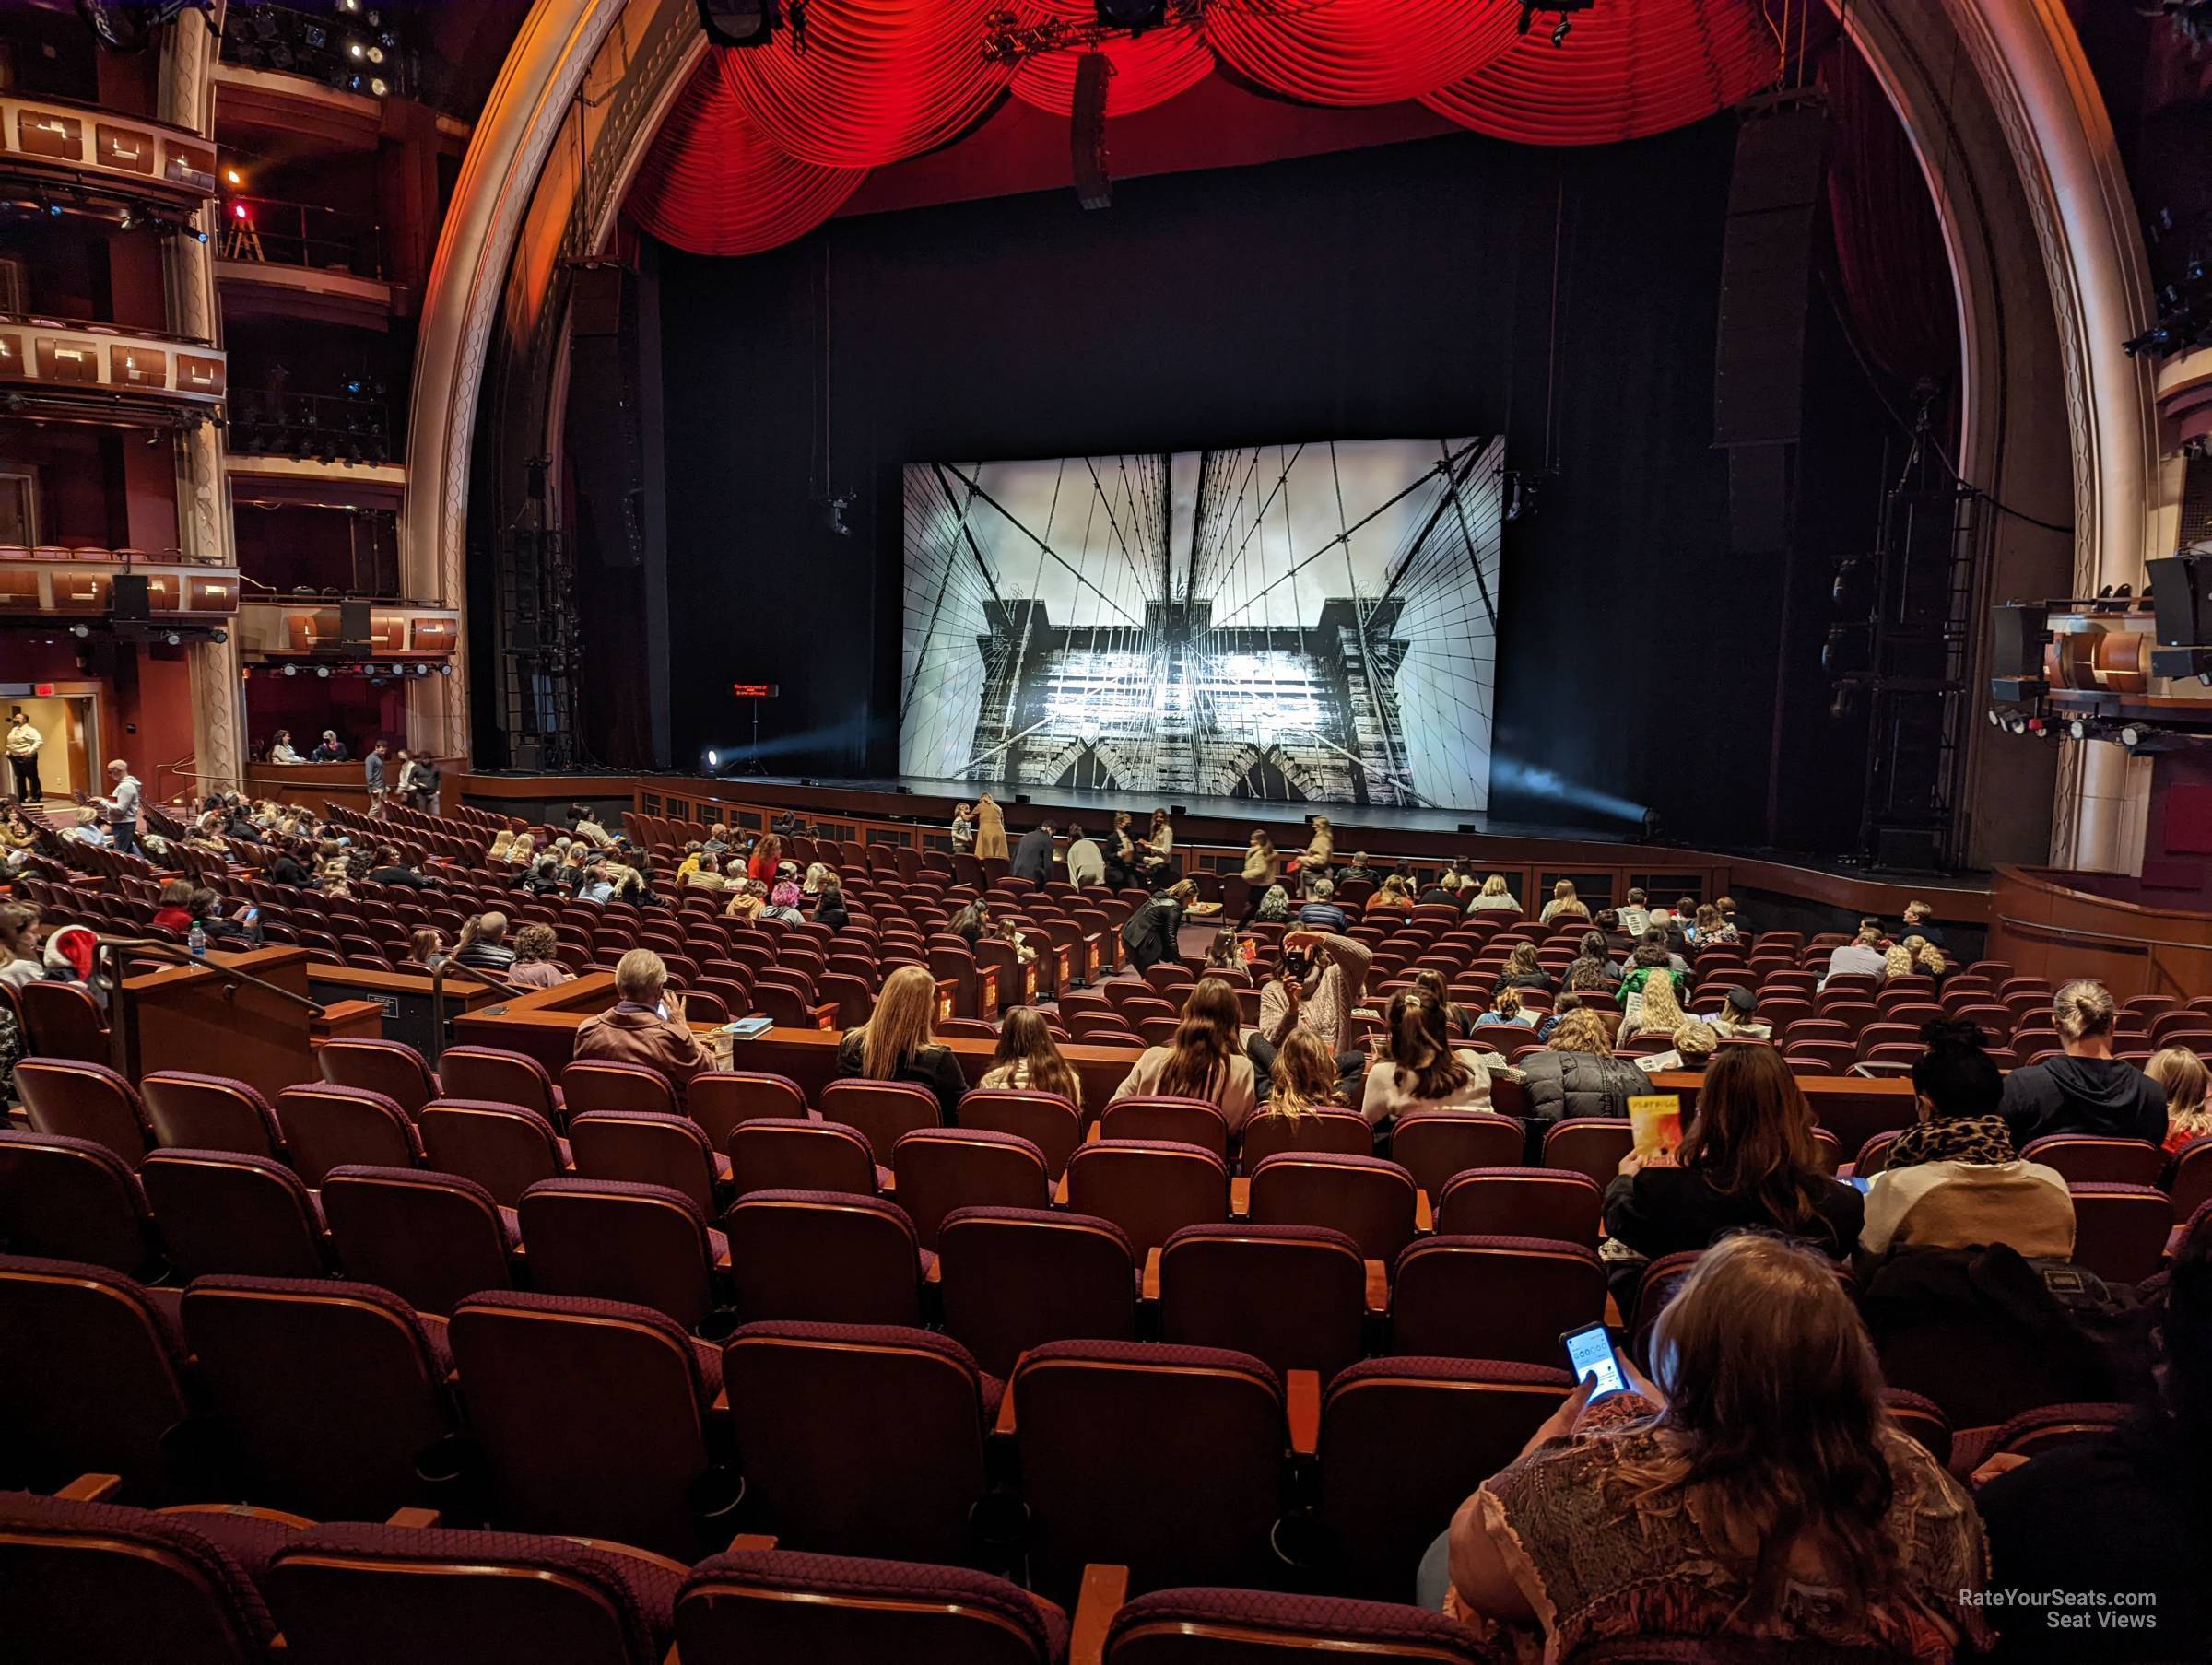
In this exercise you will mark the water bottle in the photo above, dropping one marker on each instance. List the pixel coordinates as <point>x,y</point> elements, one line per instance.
<point>196,941</point>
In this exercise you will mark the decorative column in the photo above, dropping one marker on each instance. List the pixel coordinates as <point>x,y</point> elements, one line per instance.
<point>204,526</point>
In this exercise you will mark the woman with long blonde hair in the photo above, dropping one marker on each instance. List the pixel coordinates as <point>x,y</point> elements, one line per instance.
<point>1756,1487</point>
<point>1204,1059</point>
<point>1305,1077</point>
<point>1657,1012</point>
<point>1496,896</point>
<point>898,1042</point>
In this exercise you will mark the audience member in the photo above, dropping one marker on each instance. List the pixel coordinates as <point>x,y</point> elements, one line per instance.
<point>1862,956</point>
<point>1505,1009</point>
<point>1443,893</point>
<point>748,897</point>
<point>1154,932</point>
<point>1691,1047</point>
<point>483,944</point>
<point>1320,853</point>
<point>1954,1179</point>
<point>1420,1071</point>
<point>1304,1080</point>
<point>1395,896</point>
<point>1033,855</point>
<point>391,870</point>
<point>289,869</point>
<point>768,855</point>
<point>1321,912</point>
<point>1224,958</point>
<point>1576,1074</point>
<point>1738,1017</point>
<point>1086,861</point>
<point>1652,1008</point>
<point>1757,1489</point>
<point>990,830</point>
<point>962,829</point>
<point>1521,971</point>
<point>426,949</point>
<point>2088,1090</point>
<point>829,904</point>
<point>534,967</point>
<point>1029,1060</point>
<point>1459,1018</point>
<point>1274,907</point>
<point>1920,922</point>
<point>1203,1060</point>
<point>1564,904</point>
<point>1635,916</point>
<point>1156,849</point>
<point>330,749</point>
<point>1494,897</point>
<point>1746,1158</point>
<point>1317,982</point>
<point>280,749</point>
<point>19,947</point>
<point>173,908</point>
<point>2128,1511</point>
<point>2187,1084</point>
<point>646,1026</point>
<point>898,1042</point>
<point>1263,867</point>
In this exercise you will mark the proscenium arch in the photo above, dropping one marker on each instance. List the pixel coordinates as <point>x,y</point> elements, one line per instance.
<point>2036,138</point>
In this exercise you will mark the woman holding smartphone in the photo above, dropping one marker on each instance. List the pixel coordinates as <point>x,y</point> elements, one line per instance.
<point>1756,1488</point>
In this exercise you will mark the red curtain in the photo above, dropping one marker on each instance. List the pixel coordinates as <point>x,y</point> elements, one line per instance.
<point>713,184</point>
<point>1363,52</point>
<point>769,142</point>
<point>1889,255</point>
<point>1627,71</point>
<point>878,80</point>
<point>1149,69</point>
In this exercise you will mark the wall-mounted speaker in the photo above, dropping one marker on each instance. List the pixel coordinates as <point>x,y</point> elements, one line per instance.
<point>739,22</point>
<point>2180,593</point>
<point>130,600</point>
<point>2017,635</point>
<point>1086,131</point>
<point>354,626</point>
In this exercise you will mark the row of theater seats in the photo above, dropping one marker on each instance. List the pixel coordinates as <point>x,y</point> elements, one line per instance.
<point>530,1413</point>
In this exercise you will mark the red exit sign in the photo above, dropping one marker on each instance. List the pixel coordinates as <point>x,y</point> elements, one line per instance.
<point>41,690</point>
<point>754,690</point>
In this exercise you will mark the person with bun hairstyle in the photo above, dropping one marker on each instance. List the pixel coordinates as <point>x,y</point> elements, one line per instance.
<point>1954,1179</point>
<point>2088,1090</point>
<point>1422,1072</point>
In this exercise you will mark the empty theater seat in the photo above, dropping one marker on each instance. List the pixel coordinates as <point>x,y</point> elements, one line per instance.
<point>220,1211</point>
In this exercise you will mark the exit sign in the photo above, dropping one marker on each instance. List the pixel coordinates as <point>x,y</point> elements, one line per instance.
<point>41,690</point>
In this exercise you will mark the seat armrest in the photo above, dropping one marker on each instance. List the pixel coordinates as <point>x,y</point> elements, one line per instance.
<point>1150,1290</point>
<point>1104,1590</point>
<point>1304,1391</point>
<point>91,1488</point>
<point>750,1544</point>
<point>1378,1287</point>
<point>1424,1217</point>
<point>415,1520</point>
<point>1004,1427</point>
<point>1240,1199</point>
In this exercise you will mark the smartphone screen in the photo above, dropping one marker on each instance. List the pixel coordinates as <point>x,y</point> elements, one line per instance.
<point>1865,1182</point>
<point>1591,1356</point>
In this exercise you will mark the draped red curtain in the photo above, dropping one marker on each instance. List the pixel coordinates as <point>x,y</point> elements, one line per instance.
<point>768,142</point>
<point>1889,255</point>
<point>1149,69</point>
<point>713,184</point>
<point>1627,71</point>
<point>877,80</point>
<point>1361,52</point>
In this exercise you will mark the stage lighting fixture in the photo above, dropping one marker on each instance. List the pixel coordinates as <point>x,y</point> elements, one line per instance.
<point>713,758</point>
<point>422,670</point>
<point>1134,14</point>
<point>322,672</point>
<point>218,637</point>
<point>2015,724</point>
<point>292,670</point>
<point>81,631</point>
<point>2133,735</point>
<point>739,22</point>
<point>173,640</point>
<point>445,670</point>
<point>2079,729</point>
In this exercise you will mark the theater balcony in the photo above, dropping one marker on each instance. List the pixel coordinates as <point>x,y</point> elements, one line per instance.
<point>308,635</point>
<point>65,159</point>
<point>81,583</point>
<point>277,258</point>
<point>68,370</point>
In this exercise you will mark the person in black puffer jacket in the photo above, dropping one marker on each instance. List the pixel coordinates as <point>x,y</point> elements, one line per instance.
<point>1576,1074</point>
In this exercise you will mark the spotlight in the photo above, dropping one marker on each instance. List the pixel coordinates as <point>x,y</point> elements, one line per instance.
<point>1996,717</point>
<point>377,86</point>
<point>218,637</point>
<point>2132,734</point>
<point>238,211</point>
<point>422,670</point>
<point>713,757</point>
<point>173,640</point>
<point>2015,724</point>
<point>445,670</point>
<point>198,235</point>
<point>353,49</point>
<point>375,55</point>
<point>292,670</point>
<point>234,176</point>
<point>322,672</point>
<point>81,631</point>
<point>2079,729</point>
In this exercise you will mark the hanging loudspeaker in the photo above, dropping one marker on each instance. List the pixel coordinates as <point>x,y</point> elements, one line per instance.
<point>1086,131</point>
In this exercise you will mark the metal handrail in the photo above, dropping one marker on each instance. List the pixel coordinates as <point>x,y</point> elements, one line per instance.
<point>169,953</point>
<point>438,998</point>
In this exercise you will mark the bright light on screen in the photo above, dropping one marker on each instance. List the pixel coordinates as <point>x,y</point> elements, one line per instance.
<point>1315,623</point>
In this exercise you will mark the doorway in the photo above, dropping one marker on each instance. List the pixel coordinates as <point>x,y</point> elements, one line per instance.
<point>68,721</point>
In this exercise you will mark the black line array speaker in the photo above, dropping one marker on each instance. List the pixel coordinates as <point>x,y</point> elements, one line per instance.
<point>601,415</point>
<point>353,626</point>
<point>738,22</point>
<point>1086,131</point>
<point>2017,636</point>
<point>130,599</point>
<point>1759,359</point>
<point>2181,595</point>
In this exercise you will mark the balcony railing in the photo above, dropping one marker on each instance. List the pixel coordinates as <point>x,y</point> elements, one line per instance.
<point>101,372</point>
<point>78,156</point>
<point>270,231</point>
<point>312,426</point>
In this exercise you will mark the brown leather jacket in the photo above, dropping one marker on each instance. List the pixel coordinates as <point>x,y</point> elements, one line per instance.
<point>630,1034</point>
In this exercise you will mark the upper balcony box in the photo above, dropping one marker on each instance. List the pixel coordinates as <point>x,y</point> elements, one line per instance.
<point>58,156</point>
<point>65,370</point>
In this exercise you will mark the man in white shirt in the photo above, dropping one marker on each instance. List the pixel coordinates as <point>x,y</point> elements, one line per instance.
<point>23,744</point>
<point>118,809</point>
<point>1863,957</point>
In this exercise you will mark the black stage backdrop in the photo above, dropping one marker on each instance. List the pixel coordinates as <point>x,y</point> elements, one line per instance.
<point>1410,289</point>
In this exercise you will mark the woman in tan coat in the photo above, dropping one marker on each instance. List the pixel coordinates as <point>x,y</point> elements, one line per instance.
<point>990,830</point>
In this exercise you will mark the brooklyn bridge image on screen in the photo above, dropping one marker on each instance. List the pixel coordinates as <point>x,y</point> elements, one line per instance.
<point>1313,623</point>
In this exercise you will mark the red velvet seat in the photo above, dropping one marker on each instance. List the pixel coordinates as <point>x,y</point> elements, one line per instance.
<point>2084,1159</point>
<point>326,1126</point>
<point>70,1199</point>
<point>779,1605</point>
<point>221,1212</point>
<point>61,1020</point>
<point>93,1583</point>
<point>941,1169</point>
<point>428,1237</point>
<point>1493,1298</point>
<point>494,1075</point>
<point>1366,1198</point>
<point>720,1099</point>
<point>92,1377</point>
<point>882,1110</point>
<point>1167,1120</point>
<point>1294,1296</point>
<point>1404,1442</point>
<point>1201,1626</point>
<point>332,1395</point>
<point>591,1417</point>
<point>211,1113</point>
<point>1589,1144</point>
<point>1111,1435</point>
<point>779,1153</point>
<point>647,1148</point>
<point>1326,1133</point>
<point>371,1595</point>
<point>1046,1120</point>
<point>1015,1278</point>
<point>1432,1145</point>
<point>590,1085</point>
<point>612,1240</point>
<point>82,1100</point>
<point>1521,1203</point>
<point>1149,1188</point>
<point>844,1477</point>
<point>2120,1231</point>
<point>1923,1418</point>
<point>391,1067</point>
<point>824,1257</point>
<point>506,1148</point>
